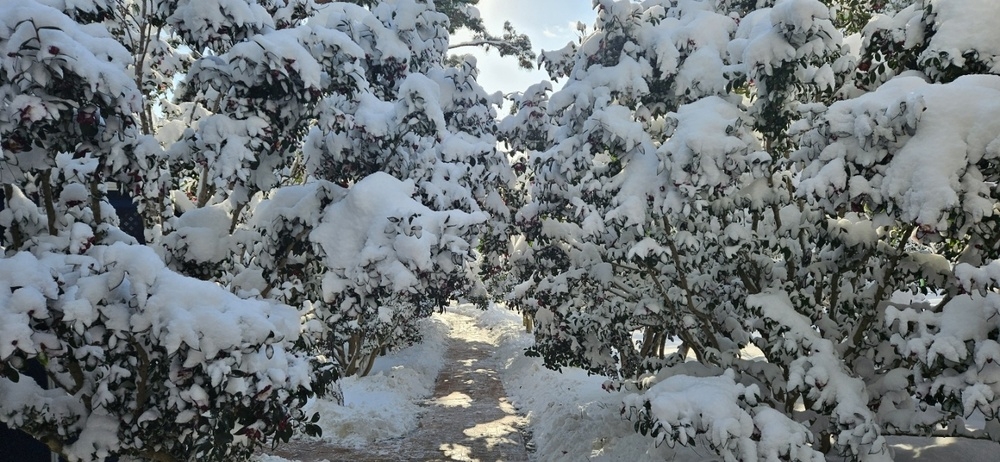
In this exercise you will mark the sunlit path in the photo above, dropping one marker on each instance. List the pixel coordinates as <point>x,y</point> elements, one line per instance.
<point>468,418</point>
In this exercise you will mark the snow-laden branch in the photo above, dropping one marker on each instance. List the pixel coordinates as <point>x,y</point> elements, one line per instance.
<point>478,43</point>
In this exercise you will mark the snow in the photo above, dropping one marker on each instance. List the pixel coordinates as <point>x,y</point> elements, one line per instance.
<point>913,146</point>
<point>375,115</point>
<point>203,233</point>
<point>219,23</point>
<point>905,27</point>
<point>300,203</point>
<point>762,46</point>
<point>357,22</point>
<point>963,26</point>
<point>386,403</point>
<point>572,416</point>
<point>421,95</point>
<point>369,237</point>
<point>936,133</point>
<point>175,309</point>
<point>63,45</point>
<point>819,373</point>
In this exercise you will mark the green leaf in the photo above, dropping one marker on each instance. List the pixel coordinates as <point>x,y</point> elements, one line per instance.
<point>12,374</point>
<point>313,430</point>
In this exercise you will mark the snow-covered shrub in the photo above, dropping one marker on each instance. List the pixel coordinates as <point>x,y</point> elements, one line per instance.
<point>941,39</point>
<point>420,120</point>
<point>525,133</point>
<point>910,169</point>
<point>204,344</point>
<point>244,114</point>
<point>140,360</point>
<point>143,361</point>
<point>358,90</point>
<point>695,184</point>
<point>379,259</point>
<point>727,415</point>
<point>463,15</point>
<point>67,103</point>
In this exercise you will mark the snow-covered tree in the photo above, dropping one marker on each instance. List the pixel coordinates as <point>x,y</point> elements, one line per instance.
<point>420,120</point>
<point>941,39</point>
<point>463,15</point>
<point>140,360</point>
<point>914,159</point>
<point>360,90</point>
<point>364,263</point>
<point>697,183</point>
<point>205,343</point>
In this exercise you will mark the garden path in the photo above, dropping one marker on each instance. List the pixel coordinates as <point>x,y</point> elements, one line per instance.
<point>468,418</point>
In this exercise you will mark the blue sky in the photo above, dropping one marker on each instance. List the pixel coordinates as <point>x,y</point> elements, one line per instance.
<point>549,23</point>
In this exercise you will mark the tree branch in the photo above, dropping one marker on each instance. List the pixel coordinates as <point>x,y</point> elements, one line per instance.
<point>869,318</point>
<point>283,261</point>
<point>142,380</point>
<point>50,208</point>
<point>706,323</point>
<point>482,42</point>
<point>684,334</point>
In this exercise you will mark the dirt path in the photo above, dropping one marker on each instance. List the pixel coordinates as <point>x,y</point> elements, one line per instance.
<point>467,419</point>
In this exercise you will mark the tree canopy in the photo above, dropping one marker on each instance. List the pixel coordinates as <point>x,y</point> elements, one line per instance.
<point>782,246</point>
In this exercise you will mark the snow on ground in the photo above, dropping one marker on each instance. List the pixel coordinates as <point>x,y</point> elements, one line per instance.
<point>269,458</point>
<point>571,418</point>
<point>386,403</point>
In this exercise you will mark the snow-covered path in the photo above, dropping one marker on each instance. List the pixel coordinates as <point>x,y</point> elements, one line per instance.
<point>444,399</point>
<point>468,417</point>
